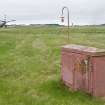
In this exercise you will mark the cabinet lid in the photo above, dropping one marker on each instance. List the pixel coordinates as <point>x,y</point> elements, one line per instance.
<point>92,51</point>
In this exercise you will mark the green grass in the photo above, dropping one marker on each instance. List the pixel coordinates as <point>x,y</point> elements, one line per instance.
<point>30,65</point>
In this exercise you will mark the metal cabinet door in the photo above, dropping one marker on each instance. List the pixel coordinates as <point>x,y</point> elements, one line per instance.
<point>98,75</point>
<point>67,68</point>
<point>83,74</point>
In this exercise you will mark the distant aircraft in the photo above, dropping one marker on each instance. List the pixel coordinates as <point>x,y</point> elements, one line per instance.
<point>3,23</point>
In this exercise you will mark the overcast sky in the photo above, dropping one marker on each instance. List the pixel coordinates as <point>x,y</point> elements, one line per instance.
<point>49,11</point>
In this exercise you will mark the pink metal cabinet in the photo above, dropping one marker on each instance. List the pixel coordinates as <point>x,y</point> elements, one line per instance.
<point>83,68</point>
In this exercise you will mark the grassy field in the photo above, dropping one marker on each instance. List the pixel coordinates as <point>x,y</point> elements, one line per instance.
<point>30,65</point>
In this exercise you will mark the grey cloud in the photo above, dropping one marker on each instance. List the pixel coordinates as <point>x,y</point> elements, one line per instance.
<point>81,11</point>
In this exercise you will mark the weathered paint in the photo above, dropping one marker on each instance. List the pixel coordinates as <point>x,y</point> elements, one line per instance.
<point>83,68</point>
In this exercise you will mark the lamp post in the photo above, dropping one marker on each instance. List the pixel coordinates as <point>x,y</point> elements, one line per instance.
<point>63,18</point>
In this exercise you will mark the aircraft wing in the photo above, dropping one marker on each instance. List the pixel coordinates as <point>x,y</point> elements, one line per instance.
<point>10,21</point>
